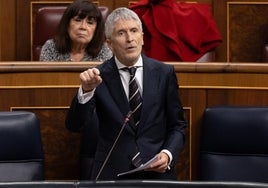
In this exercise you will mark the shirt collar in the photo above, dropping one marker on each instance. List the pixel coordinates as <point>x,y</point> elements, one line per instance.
<point>119,65</point>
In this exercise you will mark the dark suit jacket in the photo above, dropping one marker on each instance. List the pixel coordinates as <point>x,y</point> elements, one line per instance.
<point>161,125</point>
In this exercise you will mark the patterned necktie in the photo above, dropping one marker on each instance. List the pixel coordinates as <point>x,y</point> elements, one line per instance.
<point>135,100</point>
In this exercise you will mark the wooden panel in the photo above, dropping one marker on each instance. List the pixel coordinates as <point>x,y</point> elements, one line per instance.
<point>7,30</point>
<point>34,91</point>
<point>194,99</point>
<point>245,42</point>
<point>47,89</point>
<point>219,13</point>
<point>184,162</point>
<point>61,147</point>
<point>238,97</point>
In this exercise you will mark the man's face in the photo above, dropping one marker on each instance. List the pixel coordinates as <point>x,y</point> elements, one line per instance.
<point>126,41</point>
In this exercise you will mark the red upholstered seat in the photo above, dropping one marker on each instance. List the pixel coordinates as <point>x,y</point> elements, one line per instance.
<point>46,22</point>
<point>47,19</point>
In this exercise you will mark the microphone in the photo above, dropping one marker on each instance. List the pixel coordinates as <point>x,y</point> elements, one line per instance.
<point>108,155</point>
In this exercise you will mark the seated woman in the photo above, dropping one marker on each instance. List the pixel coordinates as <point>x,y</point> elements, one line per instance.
<point>80,35</point>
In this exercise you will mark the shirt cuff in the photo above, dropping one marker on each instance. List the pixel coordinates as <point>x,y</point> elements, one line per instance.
<point>84,97</point>
<point>169,155</point>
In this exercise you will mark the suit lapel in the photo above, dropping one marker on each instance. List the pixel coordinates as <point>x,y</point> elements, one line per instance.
<point>150,84</point>
<point>113,82</point>
<point>151,78</point>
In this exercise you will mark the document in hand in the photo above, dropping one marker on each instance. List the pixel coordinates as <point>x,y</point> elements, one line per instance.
<point>140,168</point>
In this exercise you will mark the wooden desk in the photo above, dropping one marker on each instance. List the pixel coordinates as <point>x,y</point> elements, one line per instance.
<point>48,88</point>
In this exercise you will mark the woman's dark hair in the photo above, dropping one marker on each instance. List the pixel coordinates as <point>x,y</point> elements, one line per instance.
<point>82,9</point>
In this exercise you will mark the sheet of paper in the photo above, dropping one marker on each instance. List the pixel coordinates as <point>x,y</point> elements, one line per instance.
<point>140,168</point>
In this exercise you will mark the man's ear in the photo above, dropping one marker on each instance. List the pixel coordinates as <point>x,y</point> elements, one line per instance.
<point>142,38</point>
<point>108,41</point>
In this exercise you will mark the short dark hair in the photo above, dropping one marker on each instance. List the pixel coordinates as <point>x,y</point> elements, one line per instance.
<point>82,9</point>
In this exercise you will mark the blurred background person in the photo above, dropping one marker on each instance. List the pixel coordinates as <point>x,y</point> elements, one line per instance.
<point>80,35</point>
<point>177,31</point>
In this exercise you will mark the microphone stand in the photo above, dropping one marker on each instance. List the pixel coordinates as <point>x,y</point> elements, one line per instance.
<point>108,155</point>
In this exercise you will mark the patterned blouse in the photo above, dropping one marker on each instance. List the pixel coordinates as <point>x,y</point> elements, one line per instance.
<point>50,53</point>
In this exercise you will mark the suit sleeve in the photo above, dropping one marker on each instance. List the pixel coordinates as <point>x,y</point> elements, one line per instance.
<point>176,123</point>
<point>78,115</point>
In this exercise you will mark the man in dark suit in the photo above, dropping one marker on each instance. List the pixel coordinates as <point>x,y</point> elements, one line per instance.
<point>104,91</point>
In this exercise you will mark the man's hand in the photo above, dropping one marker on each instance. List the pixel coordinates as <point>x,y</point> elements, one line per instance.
<point>90,79</point>
<point>161,165</point>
